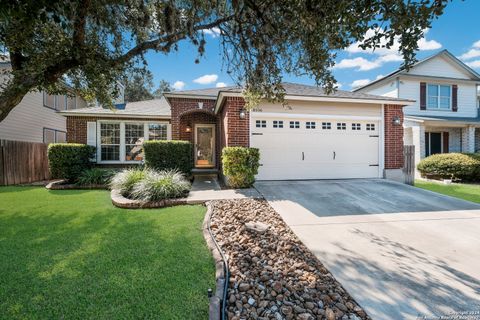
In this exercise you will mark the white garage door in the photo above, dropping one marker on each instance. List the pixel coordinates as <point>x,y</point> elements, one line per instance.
<point>316,148</point>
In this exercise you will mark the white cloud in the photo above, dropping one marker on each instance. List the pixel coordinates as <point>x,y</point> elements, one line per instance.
<point>426,45</point>
<point>383,55</point>
<point>359,63</point>
<point>213,32</point>
<point>179,85</point>
<point>360,83</point>
<point>220,84</point>
<point>474,64</point>
<point>338,85</point>
<point>379,76</point>
<point>206,79</point>
<point>472,53</point>
<point>476,44</point>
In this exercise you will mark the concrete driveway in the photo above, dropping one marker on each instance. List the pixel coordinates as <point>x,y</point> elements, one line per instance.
<point>400,251</point>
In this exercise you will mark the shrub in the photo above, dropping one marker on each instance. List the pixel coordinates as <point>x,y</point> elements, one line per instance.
<point>124,180</point>
<point>161,185</point>
<point>168,155</point>
<point>97,176</point>
<point>69,160</point>
<point>462,166</point>
<point>240,165</point>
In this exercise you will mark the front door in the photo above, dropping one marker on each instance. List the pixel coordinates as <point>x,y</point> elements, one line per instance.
<point>433,143</point>
<point>204,145</point>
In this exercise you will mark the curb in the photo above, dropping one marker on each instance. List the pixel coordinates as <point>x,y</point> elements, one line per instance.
<point>121,202</point>
<point>221,270</point>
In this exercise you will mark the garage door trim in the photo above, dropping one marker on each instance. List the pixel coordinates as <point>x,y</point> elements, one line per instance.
<point>381,150</point>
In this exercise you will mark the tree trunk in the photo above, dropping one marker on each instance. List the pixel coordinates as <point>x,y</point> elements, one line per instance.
<point>10,97</point>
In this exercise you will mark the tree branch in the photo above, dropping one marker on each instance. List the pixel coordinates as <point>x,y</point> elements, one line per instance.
<point>168,39</point>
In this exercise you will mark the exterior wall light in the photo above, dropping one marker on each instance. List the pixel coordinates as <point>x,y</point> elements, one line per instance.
<point>396,121</point>
<point>243,113</point>
<point>188,128</point>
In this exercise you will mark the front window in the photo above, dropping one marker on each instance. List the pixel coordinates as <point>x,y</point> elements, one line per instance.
<point>123,141</point>
<point>438,97</point>
<point>157,131</point>
<point>134,137</point>
<point>110,141</point>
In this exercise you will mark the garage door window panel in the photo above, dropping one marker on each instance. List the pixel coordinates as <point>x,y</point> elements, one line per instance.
<point>278,124</point>
<point>294,124</point>
<point>310,125</point>
<point>370,127</point>
<point>326,125</point>
<point>261,123</point>
<point>341,126</point>
<point>356,126</point>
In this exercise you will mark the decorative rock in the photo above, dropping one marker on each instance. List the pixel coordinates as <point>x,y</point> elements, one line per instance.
<point>341,306</point>
<point>309,305</point>
<point>256,226</point>
<point>243,287</point>
<point>277,286</point>
<point>286,310</point>
<point>305,316</point>
<point>272,274</point>
<point>329,314</point>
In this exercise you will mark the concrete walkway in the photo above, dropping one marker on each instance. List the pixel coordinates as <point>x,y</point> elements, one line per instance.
<point>206,188</point>
<point>401,252</point>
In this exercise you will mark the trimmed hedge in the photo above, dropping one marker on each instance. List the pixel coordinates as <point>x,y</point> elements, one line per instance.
<point>68,160</point>
<point>240,165</point>
<point>168,155</point>
<point>463,166</point>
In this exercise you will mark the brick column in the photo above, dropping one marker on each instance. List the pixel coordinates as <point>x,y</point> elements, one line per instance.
<point>393,137</point>
<point>468,139</point>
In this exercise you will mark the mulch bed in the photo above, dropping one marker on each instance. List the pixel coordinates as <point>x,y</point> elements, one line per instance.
<point>273,275</point>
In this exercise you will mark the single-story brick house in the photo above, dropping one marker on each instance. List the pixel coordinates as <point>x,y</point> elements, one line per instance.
<point>318,136</point>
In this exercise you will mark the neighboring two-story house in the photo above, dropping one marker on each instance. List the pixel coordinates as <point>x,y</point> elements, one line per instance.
<point>445,117</point>
<point>36,119</point>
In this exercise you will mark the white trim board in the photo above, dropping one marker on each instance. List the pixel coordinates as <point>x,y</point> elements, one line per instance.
<point>312,116</point>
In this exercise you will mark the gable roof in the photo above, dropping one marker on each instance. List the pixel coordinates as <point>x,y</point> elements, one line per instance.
<point>444,53</point>
<point>158,108</point>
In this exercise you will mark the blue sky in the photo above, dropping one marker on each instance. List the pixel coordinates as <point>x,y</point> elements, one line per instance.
<point>458,31</point>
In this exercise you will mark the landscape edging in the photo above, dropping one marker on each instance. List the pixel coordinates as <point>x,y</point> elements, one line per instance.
<point>61,185</point>
<point>118,200</point>
<point>215,306</point>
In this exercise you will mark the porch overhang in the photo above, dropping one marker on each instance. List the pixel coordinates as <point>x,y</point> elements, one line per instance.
<point>445,122</point>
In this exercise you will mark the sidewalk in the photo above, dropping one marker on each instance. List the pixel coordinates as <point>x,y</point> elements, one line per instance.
<point>206,188</point>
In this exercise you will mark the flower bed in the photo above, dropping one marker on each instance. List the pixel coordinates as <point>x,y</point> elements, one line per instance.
<point>147,188</point>
<point>272,274</point>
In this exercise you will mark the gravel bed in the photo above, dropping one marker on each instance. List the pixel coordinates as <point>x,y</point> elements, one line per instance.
<point>273,275</point>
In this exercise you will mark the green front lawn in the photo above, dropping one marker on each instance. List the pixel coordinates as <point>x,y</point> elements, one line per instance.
<point>72,255</point>
<point>468,192</point>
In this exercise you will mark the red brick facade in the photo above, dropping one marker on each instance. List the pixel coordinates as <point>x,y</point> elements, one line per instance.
<point>235,131</point>
<point>393,137</point>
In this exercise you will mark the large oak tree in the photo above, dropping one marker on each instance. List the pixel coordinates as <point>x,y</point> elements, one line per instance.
<point>91,43</point>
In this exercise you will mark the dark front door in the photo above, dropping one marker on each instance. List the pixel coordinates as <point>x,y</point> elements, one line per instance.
<point>433,143</point>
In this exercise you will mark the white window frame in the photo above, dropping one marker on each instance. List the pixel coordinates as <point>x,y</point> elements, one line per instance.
<point>438,85</point>
<point>122,138</point>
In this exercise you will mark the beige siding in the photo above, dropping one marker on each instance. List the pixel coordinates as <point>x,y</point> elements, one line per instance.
<point>324,108</point>
<point>467,100</point>
<point>388,89</point>
<point>440,67</point>
<point>27,120</point>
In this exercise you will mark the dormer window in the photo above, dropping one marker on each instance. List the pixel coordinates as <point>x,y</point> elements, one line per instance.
<point>439,97</point>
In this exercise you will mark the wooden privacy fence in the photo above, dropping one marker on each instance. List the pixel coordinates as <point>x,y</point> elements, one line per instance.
<point>23,162</point>
<point>409,164</point>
